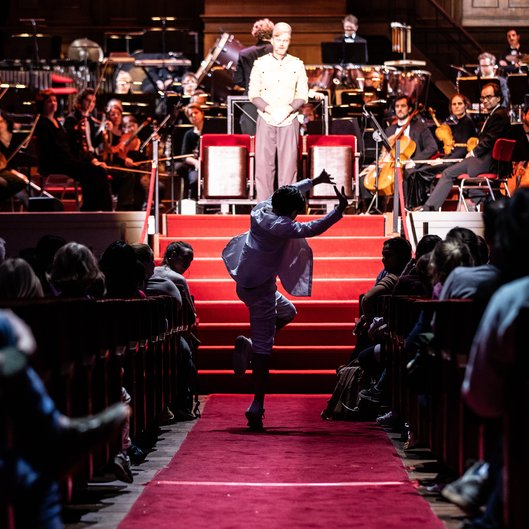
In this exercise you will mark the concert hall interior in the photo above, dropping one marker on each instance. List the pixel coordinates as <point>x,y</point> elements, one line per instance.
<point>139,140</point>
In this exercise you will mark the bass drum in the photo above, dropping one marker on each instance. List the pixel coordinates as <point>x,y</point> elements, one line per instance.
<point>413,83</point>
<point>224,53</point>
<point>320,75</point>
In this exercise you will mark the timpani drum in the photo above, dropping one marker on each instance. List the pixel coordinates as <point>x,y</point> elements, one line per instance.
<point>412,83</point>
<point>320,75</point>
<point>362,77</point>
<point>224,53</point>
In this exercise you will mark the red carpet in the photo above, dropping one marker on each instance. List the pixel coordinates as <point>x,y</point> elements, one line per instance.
<point>301,473</point>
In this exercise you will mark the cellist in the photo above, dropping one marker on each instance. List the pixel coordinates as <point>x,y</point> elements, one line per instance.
<point>418,132</point>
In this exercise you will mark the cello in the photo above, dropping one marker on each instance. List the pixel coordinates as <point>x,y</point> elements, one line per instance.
<point>386,177</point>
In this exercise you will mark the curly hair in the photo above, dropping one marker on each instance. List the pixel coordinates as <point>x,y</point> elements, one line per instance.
<point>262,29</point>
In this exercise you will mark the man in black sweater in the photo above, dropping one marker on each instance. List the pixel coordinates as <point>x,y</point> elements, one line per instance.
<point>262,31</point>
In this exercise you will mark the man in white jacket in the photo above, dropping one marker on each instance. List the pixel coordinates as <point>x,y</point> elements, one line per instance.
<point>274,246</point>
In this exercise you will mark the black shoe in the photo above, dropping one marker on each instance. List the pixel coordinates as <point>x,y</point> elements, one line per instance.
<point>122,469</point>
<point>136,454</point>
<point>254,415</point>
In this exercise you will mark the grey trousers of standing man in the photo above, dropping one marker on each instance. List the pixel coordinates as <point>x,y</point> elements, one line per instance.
<point>269,142</point>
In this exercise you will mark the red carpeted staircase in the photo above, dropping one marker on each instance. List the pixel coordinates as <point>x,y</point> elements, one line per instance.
<point>347,258</point>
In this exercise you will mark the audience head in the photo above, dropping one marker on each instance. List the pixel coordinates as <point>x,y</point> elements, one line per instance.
<point>18,280</point>
<point>511,246</point>
<point>178,256</point>
<point>123,272</point>
<point>426,245</point>
<point>262,29</point>
<point>288,201</point>
<point>75,272</point>
<point>446,256</point>
<point>468,237</point>
<point>145,257</point>
<point>396,253</point>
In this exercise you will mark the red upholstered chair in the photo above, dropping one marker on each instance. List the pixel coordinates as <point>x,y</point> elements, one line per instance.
<point>501,152</point>
<point>337,155</point>
<point>226,173</point>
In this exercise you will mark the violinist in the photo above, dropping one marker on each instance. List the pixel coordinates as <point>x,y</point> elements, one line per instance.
<point>419,133</point>
<point>82,128</point>
<point>56,156</point>
<point>191,146</point>
<point>116,155</point>
<point>457,135</point>
<point>10,184</point>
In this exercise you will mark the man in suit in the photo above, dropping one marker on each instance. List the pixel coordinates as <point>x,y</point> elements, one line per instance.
<point>262,32</point>
<point>350,28</point>
<point>419,133</point>
<point>479,160</point>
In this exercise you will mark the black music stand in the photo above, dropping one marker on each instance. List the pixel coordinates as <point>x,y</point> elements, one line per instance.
<point>471,86</point>
<point>380,137</point>
<point>518,87</point>
<point>344,52</point>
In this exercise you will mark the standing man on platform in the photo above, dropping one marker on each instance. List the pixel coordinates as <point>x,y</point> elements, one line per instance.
<point>278,88</point>
<point>478,160</point>
<point>262,31</point>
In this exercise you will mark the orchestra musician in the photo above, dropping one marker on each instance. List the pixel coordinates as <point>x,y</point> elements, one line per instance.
<point>191,147</point>
<point>10,183</point>
<point>350,28</point>
<point>478,160</point>
<point>261,31</point>
<point>510,59</point>
<point>81,126</point>
<point>56,156</point>
<point>456,135</point>
<point>417,131</point>
<point>115,155</point>
<point>487,69</point>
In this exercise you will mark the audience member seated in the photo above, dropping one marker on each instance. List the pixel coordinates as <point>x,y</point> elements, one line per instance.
<point>42,443</point>
<point>75,273</point>
<point>18,280</point>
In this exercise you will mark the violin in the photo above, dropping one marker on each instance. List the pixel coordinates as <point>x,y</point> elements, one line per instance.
<point>386,176</point>
<point>129,141</point>
<point>443,133</point>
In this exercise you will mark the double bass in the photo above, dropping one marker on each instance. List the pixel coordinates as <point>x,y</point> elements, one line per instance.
<point>386,177</point>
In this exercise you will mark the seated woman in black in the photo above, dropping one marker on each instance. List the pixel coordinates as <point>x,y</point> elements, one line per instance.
<point>56,156</point>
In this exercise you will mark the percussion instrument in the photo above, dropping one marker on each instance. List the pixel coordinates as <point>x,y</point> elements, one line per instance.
<point>224,53</point>
<point>320,75</point>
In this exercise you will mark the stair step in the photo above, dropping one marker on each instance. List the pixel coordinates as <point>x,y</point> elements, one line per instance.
<point>309,357</point>
<point>287,381</point>
<point>325,289</point>
<point>329,334</point>
<point>309,310</point>
<point>353,246</point>
<point>184,226</point>
<point>214,268</point>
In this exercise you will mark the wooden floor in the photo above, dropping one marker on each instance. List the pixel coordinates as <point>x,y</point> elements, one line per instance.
<point>103,504</point>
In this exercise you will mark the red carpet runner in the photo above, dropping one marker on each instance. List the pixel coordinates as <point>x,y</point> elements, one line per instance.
<point>301,473</point>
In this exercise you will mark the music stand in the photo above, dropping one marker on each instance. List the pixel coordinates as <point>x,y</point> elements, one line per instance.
<point>471,86</point>
<point>344,52</point>
<point>518,87</point>
<point>521,149</point>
